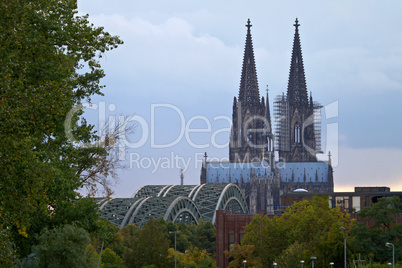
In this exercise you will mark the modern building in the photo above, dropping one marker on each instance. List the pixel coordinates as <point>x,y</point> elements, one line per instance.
<point>268,162</point>
<point>350,202</point>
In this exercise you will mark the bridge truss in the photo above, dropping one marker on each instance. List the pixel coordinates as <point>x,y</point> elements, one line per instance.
<point>175,203</point>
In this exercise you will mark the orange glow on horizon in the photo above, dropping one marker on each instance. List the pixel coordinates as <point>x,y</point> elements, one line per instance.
<point>350,188</point>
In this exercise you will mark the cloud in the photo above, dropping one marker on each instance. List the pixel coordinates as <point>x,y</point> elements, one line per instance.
<point>170,51</point>
<point>357,70</point>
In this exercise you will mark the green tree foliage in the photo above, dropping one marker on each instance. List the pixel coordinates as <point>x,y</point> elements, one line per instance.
<point>197,258</point>
<point>239,253</point>
<point>63,247</point>
<point>130,235</point>
<point>292,256</point>
<point>110,258</point>
<point>48,66</point>
<point>203,236</point>
<point>109,235</point>
<point>307,227</point>
<point>153,244</point>
<point>92,255</point>
<point>6,248</point>
<point>183,233</point>
<point>371,240</point>
<point>146,246</point>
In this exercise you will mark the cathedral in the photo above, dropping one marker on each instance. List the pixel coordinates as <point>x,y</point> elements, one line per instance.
<point>267,160</point>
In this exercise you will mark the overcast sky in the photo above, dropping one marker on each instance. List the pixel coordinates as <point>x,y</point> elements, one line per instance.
<point>180,67</point>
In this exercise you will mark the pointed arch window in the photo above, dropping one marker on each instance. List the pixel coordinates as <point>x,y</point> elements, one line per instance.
<point>297,133</point>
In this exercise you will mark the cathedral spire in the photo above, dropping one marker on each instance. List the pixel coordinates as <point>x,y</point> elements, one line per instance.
<point>248,92</point>
<point>297,89</point>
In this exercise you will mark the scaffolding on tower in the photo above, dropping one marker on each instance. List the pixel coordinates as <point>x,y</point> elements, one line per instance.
<point>317,125</point>
<point>281,123</point>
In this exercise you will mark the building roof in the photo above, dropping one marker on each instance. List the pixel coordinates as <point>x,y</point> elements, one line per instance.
<point>226,172</point>
<point>303,171</point>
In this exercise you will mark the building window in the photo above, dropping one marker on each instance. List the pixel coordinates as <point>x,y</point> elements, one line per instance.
<point>231,240</point>
<point>241,236</point>
<point>342,202</point>
<point>356,203</point>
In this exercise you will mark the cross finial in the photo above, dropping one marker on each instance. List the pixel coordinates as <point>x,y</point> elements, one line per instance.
<point>296,24</point>
<point>248,24</point>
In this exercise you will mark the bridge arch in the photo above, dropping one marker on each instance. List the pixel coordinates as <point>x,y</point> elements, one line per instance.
<point>176,203</point>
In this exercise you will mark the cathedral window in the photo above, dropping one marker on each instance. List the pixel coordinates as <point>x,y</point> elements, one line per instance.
<point>297,133</point>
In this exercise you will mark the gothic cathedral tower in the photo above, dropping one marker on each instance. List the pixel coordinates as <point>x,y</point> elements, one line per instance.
<point>251,136</point>
<point>297,128</point>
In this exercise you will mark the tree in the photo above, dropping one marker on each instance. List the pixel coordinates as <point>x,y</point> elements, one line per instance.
<point>48,66</point>
<point>109,235</point>
<point>310,224</point>
<point>203,236</point>
<point>110,258</point>
<point>267,237</point>
<point>6,248</point>
<point>148,245</point>
<point>371,240</point>
<point>63,247</point>
<point>197,258</point>
<point>292,256</point>
<point>239,253</point>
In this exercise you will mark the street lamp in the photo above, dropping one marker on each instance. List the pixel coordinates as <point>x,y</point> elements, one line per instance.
<point>331,264</point>
<point>274,264</point>
<point>344,244</point>
<point>302,263</point>
<point>244,263</point>
<point>175,260</point>
<point>313,259</point>
<point>393,252</point>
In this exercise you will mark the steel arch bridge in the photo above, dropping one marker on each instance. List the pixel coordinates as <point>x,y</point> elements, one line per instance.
<point>175,203</point>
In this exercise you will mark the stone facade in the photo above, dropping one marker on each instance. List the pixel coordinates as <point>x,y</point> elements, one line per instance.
<point>253,146</point>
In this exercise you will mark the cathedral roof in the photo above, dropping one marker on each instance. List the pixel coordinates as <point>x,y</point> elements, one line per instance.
<point>297,171</point>
<point>228,172</point>
<point>222,172</point>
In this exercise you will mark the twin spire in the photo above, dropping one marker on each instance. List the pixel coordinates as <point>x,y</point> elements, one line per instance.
<point>297,89</point>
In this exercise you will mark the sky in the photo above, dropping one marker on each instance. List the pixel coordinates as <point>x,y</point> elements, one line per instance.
<point>176,74</point>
